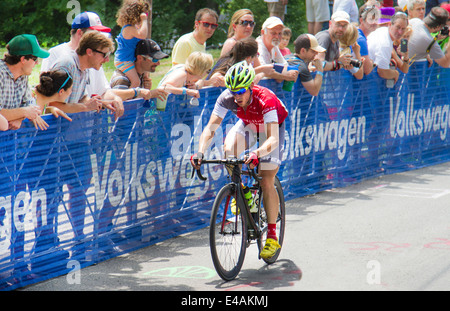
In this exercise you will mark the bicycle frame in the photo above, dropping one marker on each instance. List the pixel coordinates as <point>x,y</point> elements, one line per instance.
<point>239,191</point>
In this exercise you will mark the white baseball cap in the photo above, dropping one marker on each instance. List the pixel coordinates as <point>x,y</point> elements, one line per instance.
<point>341,16</point>
<point>272,22</point>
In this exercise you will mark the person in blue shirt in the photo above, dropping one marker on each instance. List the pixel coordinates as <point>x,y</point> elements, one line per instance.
<point>368,22</point>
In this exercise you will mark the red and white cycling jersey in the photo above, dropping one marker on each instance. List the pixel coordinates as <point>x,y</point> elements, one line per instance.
<point>265,107</point>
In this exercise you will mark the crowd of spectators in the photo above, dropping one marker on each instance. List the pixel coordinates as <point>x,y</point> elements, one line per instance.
<point>384,35</point>
<point>389,35</point>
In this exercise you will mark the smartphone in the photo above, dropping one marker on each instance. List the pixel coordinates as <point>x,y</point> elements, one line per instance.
<point>404,45</point>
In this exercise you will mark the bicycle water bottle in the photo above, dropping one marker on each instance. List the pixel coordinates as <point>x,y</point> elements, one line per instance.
<point>248,196</point>
<point>254,207</point>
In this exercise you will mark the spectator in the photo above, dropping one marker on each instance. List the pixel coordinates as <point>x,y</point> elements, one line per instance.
<point>245,49</point>
<point>381,44</point>
<point>416,9</point>
<point>3,123</point>
<point>204,28</point>
<point>241,26</point>
<point>348,6</point>
<point>368,22</point>
<point>277,8</point>
<point>348,45</point>
<point>269,52</point>
<point>285,38</point>
<point>422,42</point>
<point>93,51</point>
<point>386,16</point>
<point>317,13</point>
<point>55,85</point>
<point>329,40</point>
<point>306,50</point>
<point>443,39</point>
<point>82,23</point>
<point>132,17</point>
<point>186,79</point>
<point>401,59</point>
<point>148,54</point>
<point>433,3</point>
<point>17,103</point>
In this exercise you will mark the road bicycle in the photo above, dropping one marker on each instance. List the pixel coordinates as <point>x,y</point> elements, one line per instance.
<point>233,230</point>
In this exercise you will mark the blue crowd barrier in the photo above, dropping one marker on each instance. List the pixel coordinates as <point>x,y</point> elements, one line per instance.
<point>94,188</point>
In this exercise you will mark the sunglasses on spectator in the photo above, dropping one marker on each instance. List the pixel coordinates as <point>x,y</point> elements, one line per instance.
<point>247,23</point>
<point>105,55</point>
<point>32,57</point>
<point>211,25</point>
<point>366,10</point>
<point>155,60</point>
<point>240,92</point>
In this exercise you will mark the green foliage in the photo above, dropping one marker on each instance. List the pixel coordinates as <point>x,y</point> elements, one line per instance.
<point>171,19</point>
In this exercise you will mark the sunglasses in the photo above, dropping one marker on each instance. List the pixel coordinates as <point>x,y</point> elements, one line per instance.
<point>32,57</point>
<point>105,55</point>
<point>211,25</point>
<point>155,60</point>
<point>247,23</point>
<point>240,92</point>
<point>69,77</point>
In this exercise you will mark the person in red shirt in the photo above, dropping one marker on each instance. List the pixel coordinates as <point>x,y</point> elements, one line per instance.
<point>262,113</point>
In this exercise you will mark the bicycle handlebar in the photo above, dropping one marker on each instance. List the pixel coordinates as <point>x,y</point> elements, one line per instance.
<point>231,161</point>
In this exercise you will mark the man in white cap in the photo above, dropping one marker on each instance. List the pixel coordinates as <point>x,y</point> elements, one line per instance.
<point>306,51</point>
<point>329,39</point>
<point>269,52</point>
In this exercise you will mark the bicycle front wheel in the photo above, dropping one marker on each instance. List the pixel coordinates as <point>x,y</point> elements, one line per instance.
<point>227,235</point>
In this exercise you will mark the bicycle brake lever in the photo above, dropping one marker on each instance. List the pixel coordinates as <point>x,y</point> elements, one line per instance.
<point>254,175</point>
<point>199,174</point>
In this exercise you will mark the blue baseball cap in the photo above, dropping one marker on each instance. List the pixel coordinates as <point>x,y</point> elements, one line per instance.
<point>89,20</point>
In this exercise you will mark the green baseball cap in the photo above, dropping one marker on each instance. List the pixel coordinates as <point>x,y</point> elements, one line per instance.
<point>26,45</point>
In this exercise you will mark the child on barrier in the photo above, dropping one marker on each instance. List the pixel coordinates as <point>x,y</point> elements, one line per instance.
<point>285,38</point>
<point>132,17</point>
<point>348,45</point>
<point>186,79</point>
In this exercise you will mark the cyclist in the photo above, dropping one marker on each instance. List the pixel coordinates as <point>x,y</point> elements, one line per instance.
<point>261,113</point>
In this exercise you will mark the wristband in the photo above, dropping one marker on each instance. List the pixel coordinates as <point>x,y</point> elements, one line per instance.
<point>184,90</point>
<point>135,92</point>
<point>320,73</point>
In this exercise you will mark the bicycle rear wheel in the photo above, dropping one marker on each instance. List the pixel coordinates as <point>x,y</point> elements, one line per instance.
<point>281,220</point>
<point>227,235</point>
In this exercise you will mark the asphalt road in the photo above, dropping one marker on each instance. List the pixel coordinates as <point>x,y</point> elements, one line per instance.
<point>386,234</point>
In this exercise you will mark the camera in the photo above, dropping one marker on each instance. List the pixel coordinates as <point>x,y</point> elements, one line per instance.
<point>355,63</point>
<point>445,30</point>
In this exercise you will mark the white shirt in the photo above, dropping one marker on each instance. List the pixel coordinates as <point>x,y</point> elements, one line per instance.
<point>380,47</point>
<point>348,6</point>
<point>97,82</point>
<point>269,57</point>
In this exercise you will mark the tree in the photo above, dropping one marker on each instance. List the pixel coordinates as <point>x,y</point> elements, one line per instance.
<point>170,19</point>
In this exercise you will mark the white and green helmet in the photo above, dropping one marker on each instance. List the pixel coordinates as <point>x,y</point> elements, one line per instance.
<point>239,76</point>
